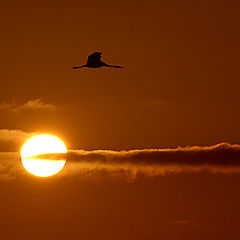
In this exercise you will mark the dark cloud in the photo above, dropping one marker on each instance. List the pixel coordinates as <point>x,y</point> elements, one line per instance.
<point>219,158</point>
<point>223,157</point>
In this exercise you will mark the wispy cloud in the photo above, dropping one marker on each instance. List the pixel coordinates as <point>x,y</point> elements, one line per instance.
<point>36,104</point>
<point>13,139</point>
<point>14,135</point>
<point>33,104</point>
<point>10,165</point>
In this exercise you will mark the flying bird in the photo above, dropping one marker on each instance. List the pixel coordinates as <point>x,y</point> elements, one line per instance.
<point>94,61</point>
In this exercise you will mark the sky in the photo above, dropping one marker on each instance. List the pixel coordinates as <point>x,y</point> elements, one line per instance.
<point>179,88</point>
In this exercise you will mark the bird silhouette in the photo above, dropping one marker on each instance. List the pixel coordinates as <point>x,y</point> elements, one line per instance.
<point>94,61</point>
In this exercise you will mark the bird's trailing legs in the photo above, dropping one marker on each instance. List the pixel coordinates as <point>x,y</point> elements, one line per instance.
<point>80,66</point>
<point>106,65</point>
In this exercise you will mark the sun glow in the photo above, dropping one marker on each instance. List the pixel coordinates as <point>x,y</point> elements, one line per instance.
<point>42,144</point>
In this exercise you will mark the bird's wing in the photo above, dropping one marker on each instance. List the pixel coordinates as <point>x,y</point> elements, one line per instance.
<point>95,57</point>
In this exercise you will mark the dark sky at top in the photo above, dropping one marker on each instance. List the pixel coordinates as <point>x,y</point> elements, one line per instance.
<point>180,84</point>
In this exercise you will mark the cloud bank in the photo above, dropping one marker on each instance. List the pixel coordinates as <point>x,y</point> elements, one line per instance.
<point>222,158</point>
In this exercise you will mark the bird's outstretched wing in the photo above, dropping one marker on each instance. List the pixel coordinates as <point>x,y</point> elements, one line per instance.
<point>94,58</point>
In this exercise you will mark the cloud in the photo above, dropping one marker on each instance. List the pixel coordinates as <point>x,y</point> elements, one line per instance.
<point>10,165</point>
<point>14,136</point>
<point>33,104</point>
<point>36,104</point>
<point>222,158</point>
<point>12,139</point>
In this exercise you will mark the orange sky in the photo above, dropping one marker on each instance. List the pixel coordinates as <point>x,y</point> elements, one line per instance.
<point>179,86</point>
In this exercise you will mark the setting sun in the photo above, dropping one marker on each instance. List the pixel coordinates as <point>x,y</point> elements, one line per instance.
<point>42,144</point>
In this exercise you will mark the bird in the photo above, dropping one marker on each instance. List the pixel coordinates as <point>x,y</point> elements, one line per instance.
<point>94,61</point>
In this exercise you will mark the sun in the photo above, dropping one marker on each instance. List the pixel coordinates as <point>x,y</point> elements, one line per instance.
<point>42,144</point>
